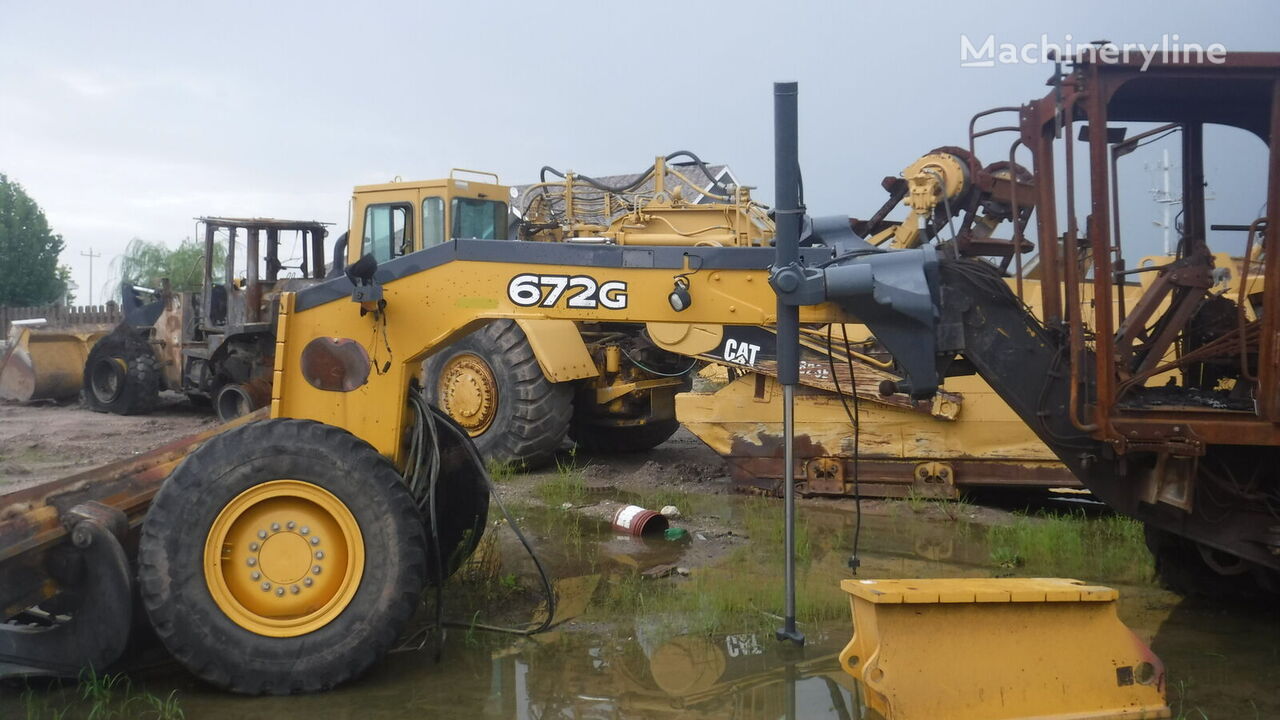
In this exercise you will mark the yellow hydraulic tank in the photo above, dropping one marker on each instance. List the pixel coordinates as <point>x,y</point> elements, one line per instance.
<point>45,363</point>
<point>999,649</point>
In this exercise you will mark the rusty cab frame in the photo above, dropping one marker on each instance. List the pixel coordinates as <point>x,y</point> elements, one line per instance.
<point>1174,403</point>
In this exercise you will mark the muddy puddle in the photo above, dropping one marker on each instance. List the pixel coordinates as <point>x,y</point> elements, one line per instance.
<point>663,629</point>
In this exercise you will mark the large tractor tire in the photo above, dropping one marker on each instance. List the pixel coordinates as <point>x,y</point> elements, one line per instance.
<point>283,556</point>
<point>491,385</point>
<point>608,439</point>
<point>121,375</point>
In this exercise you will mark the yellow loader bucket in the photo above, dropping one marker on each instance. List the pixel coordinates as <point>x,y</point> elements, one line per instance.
<point>44,363</point>
<point>999,648</point>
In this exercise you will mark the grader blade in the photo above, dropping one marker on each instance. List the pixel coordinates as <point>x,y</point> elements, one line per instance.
<point>44,643</point>
<point>999,649</point>
<point>46,363</point>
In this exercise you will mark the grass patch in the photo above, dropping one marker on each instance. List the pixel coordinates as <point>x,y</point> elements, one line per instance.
<point>501,472</point>
<point>568,485</point>
<point>101,697</point>
<point>729,598</point>
<point>765,524</point>
<point>1070,544</point>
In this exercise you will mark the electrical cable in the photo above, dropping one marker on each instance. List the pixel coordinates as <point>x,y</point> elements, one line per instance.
<point>423,468</point>
<point>854,416</point>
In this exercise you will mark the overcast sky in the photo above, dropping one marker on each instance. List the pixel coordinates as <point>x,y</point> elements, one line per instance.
<point>129,119</point>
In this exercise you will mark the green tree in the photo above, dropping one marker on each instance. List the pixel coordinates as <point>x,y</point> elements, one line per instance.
<point>146,263</point>
<point>29,270</point>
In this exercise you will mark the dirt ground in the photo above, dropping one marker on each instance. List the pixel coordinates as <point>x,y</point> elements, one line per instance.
<point>48,441</point>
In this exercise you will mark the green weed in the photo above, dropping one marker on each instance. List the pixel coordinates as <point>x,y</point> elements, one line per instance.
<point>1072,544</point>
<point>101,697</point>
<point>568,485</point>
<point>916,501</point>
<point>501,472</point>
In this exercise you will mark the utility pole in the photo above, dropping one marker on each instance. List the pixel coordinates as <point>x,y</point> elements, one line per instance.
<point>91,255</point>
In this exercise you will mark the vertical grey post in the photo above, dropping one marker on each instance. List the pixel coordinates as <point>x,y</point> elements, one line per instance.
<point>786,175</point>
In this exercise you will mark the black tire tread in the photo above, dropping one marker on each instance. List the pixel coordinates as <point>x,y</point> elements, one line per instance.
<point>141,393</point>
<point>534,424</point>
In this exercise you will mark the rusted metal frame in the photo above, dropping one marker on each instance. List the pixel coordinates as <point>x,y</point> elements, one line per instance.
<point>206,291</point>
<point>1242,296</point>
<point>1019,226</point>
<point>1269,350</point>
<point>1117,250</point>
<point>1194,231</point>
<point>31,520</point>
<point>973,123</point>
<point>1037,136</point>
<point>1134,326</point>
<point>1070,265</point>
<point>273,254</point>
<point>1217,348</point>
<point>1211,427</point>
<point>252,284</point>
<point>229,277</point>
<point>1174,321</point>
<point>1117,152</point>
<point>1100,242</point>
<point>317,252</point>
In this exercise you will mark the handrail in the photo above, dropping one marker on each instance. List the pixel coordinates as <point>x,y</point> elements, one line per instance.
<point>1255,227</point>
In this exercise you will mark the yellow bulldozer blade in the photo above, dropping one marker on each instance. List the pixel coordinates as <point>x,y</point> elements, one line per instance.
<point>995,649</point>
<point>46,363</point>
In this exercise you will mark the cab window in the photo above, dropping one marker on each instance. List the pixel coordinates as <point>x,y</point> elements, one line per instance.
<point>388,231</point>
<point>432,221</point>
<point>475,218</point>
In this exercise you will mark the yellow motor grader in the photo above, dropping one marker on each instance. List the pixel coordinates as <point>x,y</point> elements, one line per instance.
<point>520,386</point>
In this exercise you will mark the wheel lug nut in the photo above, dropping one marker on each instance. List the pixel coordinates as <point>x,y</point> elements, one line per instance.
<point>319,554</point>
<point>275,527</point>
<point>266,586</point>
<point>254,546</point>
<point>252,561</point>
<point>305,530</point>
<point>255,575</point>
<point>307,581</point>
<point>262,534</point>
<point>279,592</point>
<point>315,541</point>
<point>295,589</point>
<point>291,524</point>
<point>315,569</point>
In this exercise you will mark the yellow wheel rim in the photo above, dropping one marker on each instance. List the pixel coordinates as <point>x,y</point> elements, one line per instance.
<point>284,558</point>
<point>468,392</point>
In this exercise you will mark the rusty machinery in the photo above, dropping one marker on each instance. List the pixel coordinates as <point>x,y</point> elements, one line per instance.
<point>1189,455</point>
<point>214,345</point>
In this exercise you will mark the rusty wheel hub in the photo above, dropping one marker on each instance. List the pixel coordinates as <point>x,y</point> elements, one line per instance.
<point>468,392</point>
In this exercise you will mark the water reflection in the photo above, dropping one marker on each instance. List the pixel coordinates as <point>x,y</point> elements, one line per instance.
<point>748,675</point>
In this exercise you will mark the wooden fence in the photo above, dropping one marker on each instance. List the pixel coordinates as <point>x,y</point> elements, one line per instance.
<point>60,315</point>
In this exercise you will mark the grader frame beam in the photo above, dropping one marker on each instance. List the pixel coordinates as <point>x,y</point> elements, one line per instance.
<point>439,294</point>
